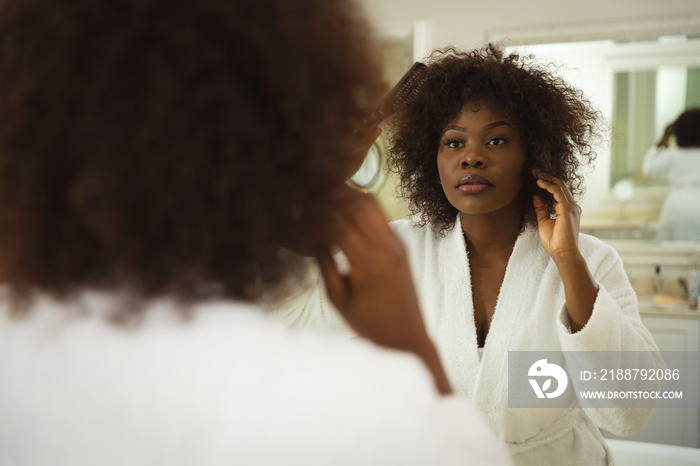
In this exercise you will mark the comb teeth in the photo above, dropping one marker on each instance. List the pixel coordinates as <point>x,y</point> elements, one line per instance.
<point>404,92</point>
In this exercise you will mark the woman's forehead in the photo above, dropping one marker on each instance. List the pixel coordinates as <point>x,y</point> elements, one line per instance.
<point>482,111</point>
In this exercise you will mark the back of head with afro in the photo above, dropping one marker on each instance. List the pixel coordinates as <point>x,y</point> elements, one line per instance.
<point>171,146</point>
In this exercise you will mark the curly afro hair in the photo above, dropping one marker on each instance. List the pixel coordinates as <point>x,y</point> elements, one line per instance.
<point>687,128</point>
<point>555,121</point>
<point>173,147</point>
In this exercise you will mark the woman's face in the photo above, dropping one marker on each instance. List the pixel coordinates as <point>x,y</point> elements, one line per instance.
<point>480,162</point>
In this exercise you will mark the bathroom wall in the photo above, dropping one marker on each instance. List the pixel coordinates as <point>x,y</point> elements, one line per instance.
<point>466,23</point>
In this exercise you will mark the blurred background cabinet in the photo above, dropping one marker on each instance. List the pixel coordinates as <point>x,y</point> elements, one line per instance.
<point>673,331</point>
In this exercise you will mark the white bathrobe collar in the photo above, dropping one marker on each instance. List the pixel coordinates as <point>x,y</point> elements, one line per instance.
<point>453,259</point>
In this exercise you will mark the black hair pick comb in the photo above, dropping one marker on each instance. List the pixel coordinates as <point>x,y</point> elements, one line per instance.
<point>400,96</point>
<point>403,93</point>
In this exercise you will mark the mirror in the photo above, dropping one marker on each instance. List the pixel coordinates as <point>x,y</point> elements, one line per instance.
<point>645,101</point>
<point>639,86</point>
<point>371,175</point>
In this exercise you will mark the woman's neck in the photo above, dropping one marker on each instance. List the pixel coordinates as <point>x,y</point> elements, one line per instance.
<point>488,235</point>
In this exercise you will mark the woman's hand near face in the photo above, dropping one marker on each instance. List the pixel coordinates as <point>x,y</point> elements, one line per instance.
<point>559,237</point>
<point>668,132</point>
<point>377,296</point>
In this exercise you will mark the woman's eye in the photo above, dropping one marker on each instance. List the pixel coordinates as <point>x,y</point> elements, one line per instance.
<point>497,141</point>
<point>452,144</point>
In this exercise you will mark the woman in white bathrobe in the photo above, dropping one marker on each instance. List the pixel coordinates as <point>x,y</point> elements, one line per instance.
<point>680,214</point>
<point>488,155</point>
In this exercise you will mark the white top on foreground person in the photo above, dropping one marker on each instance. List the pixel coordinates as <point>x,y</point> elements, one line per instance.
<point>252,392</point>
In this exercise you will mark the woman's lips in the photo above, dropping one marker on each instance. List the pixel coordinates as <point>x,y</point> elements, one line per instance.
<point>473,184</point>
<point>474,188</point>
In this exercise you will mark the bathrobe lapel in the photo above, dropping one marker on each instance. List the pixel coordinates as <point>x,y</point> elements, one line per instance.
<point>515,324</point>
<point>518,324</point>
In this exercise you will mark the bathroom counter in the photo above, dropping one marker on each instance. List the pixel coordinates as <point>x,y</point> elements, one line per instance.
<point>647,307</point>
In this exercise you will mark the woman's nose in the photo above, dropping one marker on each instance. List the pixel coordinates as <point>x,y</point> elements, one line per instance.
<point>473,158</point>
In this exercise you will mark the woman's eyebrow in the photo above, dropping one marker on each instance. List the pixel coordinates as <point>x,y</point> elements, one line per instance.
<point>486,128</point>
<point>497,123</point>
<point>457,128</point>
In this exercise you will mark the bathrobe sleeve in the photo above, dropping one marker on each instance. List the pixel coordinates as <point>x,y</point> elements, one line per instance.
<point>614,325</point>
<point>308,306</point>
<point>657,162</point>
